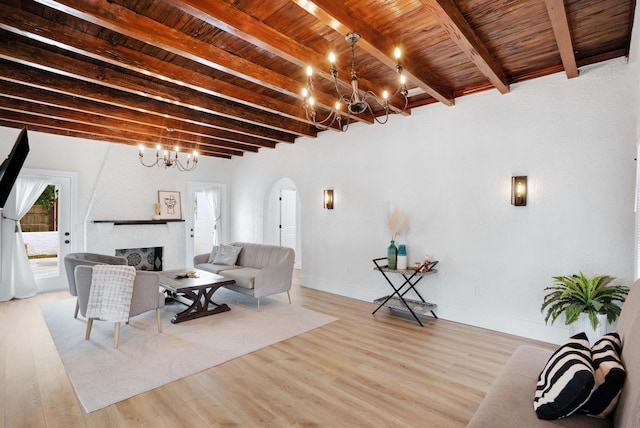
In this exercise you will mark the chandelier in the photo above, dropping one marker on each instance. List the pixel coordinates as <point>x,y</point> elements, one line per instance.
<point>357,102</point>
<point>168,158</point>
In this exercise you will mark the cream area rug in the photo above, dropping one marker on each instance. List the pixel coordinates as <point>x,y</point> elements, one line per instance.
<point>146,360</point>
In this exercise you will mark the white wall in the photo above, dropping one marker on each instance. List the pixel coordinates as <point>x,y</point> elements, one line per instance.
<point>126,190</point>
<point>64,154</point>
<point>450,168</point>
<point>111,184</point>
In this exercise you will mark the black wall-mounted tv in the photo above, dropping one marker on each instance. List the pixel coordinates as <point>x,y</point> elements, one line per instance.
<point>12,165</point>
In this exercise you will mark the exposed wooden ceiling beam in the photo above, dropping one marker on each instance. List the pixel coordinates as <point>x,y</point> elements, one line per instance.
<point>122,20</point>
<point>562,32</point>
<point>152,134</point>
<point>57,130</point>
<point>334,14</point>
<point>90,131</point>
<point>50,32</point>
<point>19,73</point>
<point>206,135</point>
<point>455,24</point>
<point>112,78</point>
<point>226,17</point>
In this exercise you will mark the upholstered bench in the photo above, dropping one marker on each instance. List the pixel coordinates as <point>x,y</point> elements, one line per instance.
<point>509,401</point>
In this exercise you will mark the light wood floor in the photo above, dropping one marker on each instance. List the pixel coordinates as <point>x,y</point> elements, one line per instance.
<point>361,371</point>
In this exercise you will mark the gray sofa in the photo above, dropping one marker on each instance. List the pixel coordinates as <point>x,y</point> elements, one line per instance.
<point>509,401</point>
<point>261,270</point>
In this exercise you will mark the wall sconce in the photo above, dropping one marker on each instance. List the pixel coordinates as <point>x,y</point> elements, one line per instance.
<point>328,199</point>
<point>519,191</point>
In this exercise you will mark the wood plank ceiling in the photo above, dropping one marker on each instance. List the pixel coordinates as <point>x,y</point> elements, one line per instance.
<point>225,76</point>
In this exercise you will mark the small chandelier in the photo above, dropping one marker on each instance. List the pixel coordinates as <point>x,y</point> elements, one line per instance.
<point>356,101</point>
<point>169,159</point>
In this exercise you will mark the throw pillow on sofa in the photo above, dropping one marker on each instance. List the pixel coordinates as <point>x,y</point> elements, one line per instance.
<point>609,376</point>
<point>566,381</point>
<point>213,253</point>
<point>227,255</point>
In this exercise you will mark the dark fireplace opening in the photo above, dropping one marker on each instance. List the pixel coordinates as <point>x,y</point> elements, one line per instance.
<point>143,258</point>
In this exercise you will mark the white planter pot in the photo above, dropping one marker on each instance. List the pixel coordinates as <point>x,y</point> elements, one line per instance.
<point>583,325</point>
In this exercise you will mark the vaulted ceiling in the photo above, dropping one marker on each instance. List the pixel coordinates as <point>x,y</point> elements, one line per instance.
<point>225,76</point>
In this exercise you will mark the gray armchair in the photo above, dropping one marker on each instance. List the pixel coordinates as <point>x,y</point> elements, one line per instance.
<point>86,259</point>
<point>146,296</point>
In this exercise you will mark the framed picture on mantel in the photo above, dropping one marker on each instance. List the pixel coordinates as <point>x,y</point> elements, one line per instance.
<point>170,205</point>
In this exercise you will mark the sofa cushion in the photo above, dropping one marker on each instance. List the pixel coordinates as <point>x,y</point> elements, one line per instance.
<point>227,255</point>
<point>212,254</point>
<point>210,267</point>
<point>509,397</point>
<point>609,376</point>
<point>244,277</point>
<point>566,381</point>
<point>260,256</point>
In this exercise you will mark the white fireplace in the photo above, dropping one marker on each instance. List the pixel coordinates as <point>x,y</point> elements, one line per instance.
<point>107,237</point>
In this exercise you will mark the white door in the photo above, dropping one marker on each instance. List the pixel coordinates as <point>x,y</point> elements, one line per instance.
<point>204,219</point>
<point>288,221</point>
<point>49,271</point>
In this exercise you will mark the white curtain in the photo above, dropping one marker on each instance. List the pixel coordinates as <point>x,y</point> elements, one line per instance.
<point>16,277</point>
<point>213,201</point>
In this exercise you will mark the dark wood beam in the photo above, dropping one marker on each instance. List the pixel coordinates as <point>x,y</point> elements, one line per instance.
<point>92,132</point>
<point>149,134</point>
<point>208,135</point>
<point>33,56</point>
<point>562,32</point>
<point>122,20</point>
<point>459,30</point>
<point>19,73</point>
<point>334,14</point>
<point>55,34</point>
<point>226,17</point>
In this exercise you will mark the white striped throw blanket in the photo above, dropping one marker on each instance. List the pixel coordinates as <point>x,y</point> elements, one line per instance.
<point>110,293</point>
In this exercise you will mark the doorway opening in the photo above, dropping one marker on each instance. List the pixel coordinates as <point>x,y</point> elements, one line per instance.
<point>282,217</point>
<point>46,229</point>
<point>40,233</point>
<point>205,218</point>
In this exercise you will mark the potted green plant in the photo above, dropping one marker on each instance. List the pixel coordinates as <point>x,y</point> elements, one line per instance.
<point>576,294</point>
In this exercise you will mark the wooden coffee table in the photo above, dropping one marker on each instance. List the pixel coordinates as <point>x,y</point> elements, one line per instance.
<point>195,292</point>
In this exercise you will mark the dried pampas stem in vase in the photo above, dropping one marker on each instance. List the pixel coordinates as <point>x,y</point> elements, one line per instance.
<point>397,222</point>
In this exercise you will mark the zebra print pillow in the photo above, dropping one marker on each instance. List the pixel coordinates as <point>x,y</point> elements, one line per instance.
<point>609,376</point>
<point>566,381</point>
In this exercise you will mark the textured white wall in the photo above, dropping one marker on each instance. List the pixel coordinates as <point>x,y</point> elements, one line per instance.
<point>450,168</point>
<point>111,184</point>
<point>126,190</point>
<point>58,153</point>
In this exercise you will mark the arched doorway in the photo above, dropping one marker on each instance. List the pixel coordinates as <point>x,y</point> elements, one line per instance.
<point>282,217</point>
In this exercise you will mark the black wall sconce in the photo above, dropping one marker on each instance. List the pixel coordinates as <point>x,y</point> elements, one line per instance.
<point>519,191</point>
<point>328,199</point>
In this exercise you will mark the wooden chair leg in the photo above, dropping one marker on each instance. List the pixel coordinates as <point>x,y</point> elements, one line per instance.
<point>289,296</point>
<point>159,318</point>
<point>75,313</point>
<point>116,335</point>
<point>88,332</point>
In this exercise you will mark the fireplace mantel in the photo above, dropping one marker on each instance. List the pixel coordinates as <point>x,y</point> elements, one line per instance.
<point>136,222</point>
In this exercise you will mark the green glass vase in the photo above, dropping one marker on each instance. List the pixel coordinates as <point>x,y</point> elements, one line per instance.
<point>392,255</point>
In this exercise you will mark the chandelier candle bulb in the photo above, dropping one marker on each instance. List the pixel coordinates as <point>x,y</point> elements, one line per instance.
<point>357,101</point>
